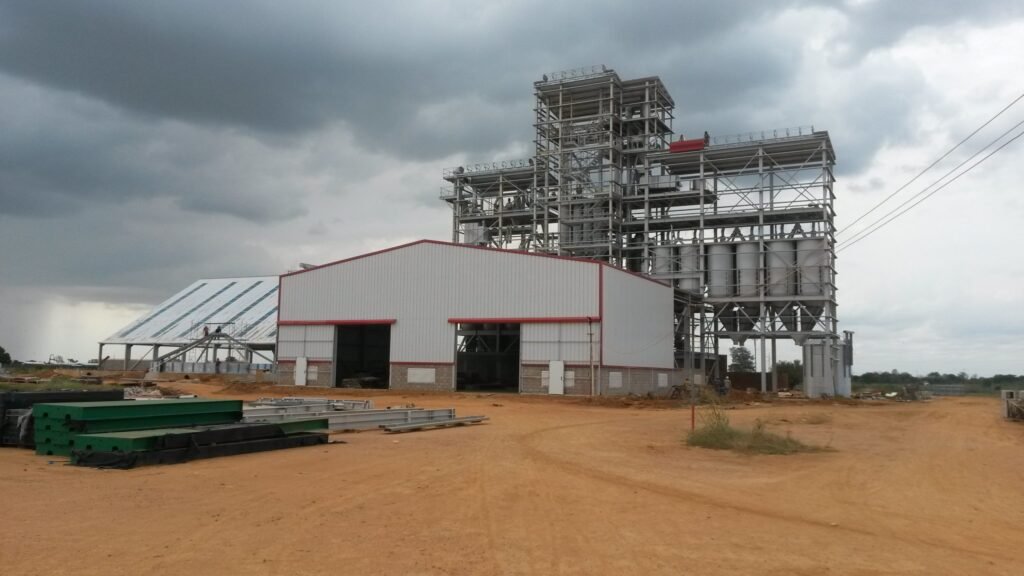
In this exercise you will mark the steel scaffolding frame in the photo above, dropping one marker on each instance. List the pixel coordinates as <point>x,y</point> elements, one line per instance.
<point>603,184</point>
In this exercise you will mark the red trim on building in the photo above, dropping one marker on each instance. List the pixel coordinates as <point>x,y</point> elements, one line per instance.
<point>335,322</point>
<point>277,336</point>
<point>423,363</point>
<point>552,320</point>
<point>600,312</point>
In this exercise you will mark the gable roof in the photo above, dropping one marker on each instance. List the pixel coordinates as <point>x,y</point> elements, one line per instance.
<point>473,247</point>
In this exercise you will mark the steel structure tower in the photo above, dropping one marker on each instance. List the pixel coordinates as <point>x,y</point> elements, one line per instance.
<point>743,226</point>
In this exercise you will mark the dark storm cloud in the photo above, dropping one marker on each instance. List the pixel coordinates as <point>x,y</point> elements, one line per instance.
<point>123,254</point>
<point>129,130</point>
<point>63,152</point>
<point>295,67</point>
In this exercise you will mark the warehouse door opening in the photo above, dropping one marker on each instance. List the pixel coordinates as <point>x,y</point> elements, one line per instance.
<point>487,357</point>
<point>362,356</point>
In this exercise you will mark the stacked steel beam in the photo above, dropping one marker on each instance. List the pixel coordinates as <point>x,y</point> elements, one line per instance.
<point>57,426</point>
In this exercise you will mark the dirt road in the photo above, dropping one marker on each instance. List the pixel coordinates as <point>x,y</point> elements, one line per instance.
<point>549,487</point>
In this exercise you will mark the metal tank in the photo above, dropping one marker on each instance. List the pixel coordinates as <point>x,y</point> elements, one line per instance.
<point>721,281</point>
<point>781,267</point>
<point>721,269</point>
<point>811,262</point>
<point>662,260</point>
<point>689,268</point>
<point>747,266</point>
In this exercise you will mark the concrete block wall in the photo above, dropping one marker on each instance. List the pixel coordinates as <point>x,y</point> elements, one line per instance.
<point>622,381</point>
<point>531,379</point>
<point>318,374</point>
<point>423,377</point>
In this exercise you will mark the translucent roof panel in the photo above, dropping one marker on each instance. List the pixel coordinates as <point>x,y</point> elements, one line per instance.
<point>245,308</point>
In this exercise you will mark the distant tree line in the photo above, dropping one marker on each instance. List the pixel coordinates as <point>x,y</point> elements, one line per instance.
<point>997,382</point>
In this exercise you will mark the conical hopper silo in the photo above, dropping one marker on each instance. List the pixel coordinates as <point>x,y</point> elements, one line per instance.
<point>811,260</point>
<point>782,281</point>
<point>721,281</point>
<point>747,266</point>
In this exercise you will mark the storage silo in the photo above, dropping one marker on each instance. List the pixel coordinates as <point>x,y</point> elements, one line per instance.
<point>721,270</point>
<point>748,256</point>
<point>689,267</point>
<point>811,261</point>
<point>781,267</point>
<point>721,280</point>
<point>662,263</point>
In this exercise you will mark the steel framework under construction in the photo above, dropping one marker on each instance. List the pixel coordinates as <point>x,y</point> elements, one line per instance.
<point>743,226</point>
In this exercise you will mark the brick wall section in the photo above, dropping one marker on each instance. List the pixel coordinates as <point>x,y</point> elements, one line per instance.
<point>530,381</point>
<point>443,378</point>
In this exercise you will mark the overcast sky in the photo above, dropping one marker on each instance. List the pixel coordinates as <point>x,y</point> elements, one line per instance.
<point>144,145</point>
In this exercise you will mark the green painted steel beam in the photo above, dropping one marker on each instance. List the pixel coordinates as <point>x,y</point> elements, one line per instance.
<point>133,408</point>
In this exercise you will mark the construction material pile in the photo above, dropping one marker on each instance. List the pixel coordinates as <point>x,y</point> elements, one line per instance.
<point>176,445</point>
<point>355,414</point>
<point>16,428</point>
<point>120,433</point>
<point>124,434</point>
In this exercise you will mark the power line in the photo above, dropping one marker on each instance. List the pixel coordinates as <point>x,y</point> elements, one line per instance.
<point>954,179</point>
<point>868,229</point>
<point>932,165</point>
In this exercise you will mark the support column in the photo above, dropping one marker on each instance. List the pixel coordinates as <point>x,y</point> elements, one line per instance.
<point>775,368</point>
<point>764,363</point>
<point>127,355</point>
<point>99,358</point>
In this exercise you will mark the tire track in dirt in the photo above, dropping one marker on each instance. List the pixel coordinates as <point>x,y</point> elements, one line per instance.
<point>532,450</point>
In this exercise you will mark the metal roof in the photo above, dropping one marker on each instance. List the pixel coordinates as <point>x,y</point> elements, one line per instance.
<point>245,308</point>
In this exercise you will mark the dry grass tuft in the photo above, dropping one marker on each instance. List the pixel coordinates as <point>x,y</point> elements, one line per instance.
<point>716,433</point>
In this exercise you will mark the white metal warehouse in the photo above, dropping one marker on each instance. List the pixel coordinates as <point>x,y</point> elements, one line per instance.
<point>437,316</point>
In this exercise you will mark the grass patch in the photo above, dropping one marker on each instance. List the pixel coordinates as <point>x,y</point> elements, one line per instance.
<point>716,433</point>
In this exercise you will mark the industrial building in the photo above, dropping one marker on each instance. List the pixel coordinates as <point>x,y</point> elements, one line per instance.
<point>212,325</point>
<point>616,258</point>
<point>439,316</point>
<point>742,225</point>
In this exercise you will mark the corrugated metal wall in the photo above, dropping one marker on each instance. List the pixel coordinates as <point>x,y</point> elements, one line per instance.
<point>313,342</point>
<point>637,321</point>
<point>541,343</point>
<point>423,285</point>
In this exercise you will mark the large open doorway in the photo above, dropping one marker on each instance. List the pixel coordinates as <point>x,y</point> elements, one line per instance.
<point>487,357</point>
<point>362,356</point>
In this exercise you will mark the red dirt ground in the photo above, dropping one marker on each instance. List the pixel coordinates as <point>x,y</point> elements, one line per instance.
<point>547,486</point>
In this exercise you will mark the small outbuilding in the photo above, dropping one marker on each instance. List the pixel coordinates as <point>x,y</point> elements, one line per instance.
<point>438,316</point>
